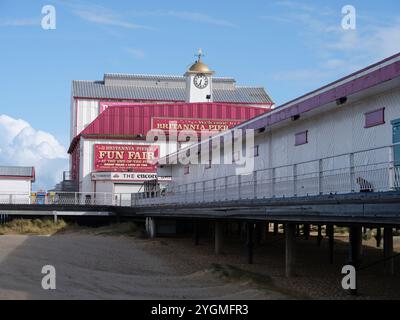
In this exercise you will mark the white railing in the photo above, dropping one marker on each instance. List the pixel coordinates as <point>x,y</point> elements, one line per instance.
<point>69,198</point>
<point>369,170</point>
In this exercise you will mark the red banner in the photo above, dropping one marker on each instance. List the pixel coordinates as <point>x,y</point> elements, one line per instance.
<point>171,124</point>
<point>123,158</point>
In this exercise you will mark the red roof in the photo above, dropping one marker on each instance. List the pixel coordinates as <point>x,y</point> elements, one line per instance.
<point>128,121</point>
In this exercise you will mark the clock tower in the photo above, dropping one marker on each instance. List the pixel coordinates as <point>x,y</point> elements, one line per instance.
<point>199,82</point>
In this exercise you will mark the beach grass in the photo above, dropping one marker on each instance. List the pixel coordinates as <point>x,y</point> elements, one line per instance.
<point>32,226</point>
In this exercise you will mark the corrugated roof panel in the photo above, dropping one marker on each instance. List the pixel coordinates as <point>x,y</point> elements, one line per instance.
<point>13,171</point>
<point>92,89</point>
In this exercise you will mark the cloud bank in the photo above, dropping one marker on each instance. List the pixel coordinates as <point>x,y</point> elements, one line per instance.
<point>22,145</point>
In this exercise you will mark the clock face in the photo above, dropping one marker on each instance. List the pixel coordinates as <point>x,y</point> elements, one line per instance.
<point>200,81</point>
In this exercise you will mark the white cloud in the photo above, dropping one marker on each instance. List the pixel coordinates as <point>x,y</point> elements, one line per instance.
<point>22,145</point>
<point>104,16</point>
<point>336,51</point>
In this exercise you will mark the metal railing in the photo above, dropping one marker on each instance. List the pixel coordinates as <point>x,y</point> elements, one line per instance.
<point>69,198</point>
<point>369,170</point>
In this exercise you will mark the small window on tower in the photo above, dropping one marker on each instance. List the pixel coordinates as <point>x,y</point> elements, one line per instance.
<point>301,138</point>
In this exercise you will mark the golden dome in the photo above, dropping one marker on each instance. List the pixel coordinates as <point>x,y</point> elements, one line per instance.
<point>200,67</point>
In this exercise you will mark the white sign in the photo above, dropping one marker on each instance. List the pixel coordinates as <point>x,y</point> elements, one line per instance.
<point>128,176</point>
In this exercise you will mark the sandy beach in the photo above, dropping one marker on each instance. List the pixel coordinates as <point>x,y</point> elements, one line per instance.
<point>92,266</point>
<point>98,267</point>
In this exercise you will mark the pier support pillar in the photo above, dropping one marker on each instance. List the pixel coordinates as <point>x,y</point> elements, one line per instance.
<point>388,250</point>
<point>218,237</point>
<point>306,231</point>
<point>297,230</point>
<point>249,242</point>
<point>151,227</point>
<point>266,231</point>
<point>330,232</point>
<point>319,236</point>
<point>355,239</point>
<point>276,228</point>
<point>290,249</point>
<point>378,237</point>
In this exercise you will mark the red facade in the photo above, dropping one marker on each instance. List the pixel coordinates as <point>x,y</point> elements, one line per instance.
<point>134,121</point>
<point>137,120</point>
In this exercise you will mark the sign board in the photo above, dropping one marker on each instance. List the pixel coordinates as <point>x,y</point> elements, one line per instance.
<point>127,176</point>
<point>174,124</point>
<point>124,158</point>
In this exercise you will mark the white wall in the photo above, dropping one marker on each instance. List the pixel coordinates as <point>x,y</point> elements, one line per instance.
<point>334,132</point>
<point>15,186</point>
<point>20,189</point>
<point>85,111</point>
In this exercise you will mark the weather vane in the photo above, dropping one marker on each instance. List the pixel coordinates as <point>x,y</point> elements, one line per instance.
<point>199,54</point>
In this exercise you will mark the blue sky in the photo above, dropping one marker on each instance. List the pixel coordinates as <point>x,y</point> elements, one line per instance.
<point>289,47</point>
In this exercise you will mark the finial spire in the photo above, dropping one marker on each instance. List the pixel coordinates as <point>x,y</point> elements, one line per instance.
<point>200,54</point>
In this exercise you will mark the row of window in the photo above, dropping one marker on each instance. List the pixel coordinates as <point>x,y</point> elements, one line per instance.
<point>372,119</point>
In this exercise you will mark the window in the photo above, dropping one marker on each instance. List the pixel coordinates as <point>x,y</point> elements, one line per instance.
<point>301,138</point>
<point>374,118</point>
<point>256,151</point>
<point>186,170</point>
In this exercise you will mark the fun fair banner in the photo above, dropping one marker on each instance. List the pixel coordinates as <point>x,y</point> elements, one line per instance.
<point>123,158</point>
